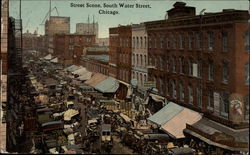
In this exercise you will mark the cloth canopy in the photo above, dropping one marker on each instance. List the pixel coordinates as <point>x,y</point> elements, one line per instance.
<point>85,76</point>
<point>109,85</point>
<point>54,60</point>
<point>69,114</point>
<point>48,57</point>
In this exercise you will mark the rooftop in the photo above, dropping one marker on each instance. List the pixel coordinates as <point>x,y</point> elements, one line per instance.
<point>103,57</point>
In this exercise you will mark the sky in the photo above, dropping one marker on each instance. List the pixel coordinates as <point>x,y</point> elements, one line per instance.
<point>34,11</point>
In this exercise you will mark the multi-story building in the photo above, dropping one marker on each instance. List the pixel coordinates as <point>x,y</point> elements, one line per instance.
<point>69,47</point>
<point>139,54</point>
<point>103,41</point>
<point>113,54</point>
<point>87,28</point>
<point>29,40</point>
<point>202,62</point>
<point>55,25</point>
<point>3,71</point>
<point>96,63</point>
<point>120,57</point>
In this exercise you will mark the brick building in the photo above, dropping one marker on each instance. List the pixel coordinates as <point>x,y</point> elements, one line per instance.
<point>120,53</point>
<point>202,62</point>
<point>196,58</point>
<point>3,69</point>
<point>69,47</point>
<point>55,25</point>
<point>96,63</point>
<point>139,54</point>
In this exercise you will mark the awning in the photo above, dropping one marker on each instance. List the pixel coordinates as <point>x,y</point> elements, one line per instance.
<point>70,103</point>
<point>72,68</point>
<point>85,76</point>
<point>166,113</point>
<point>97,78</point>
<point>48,57</point>
<point>109,85</point>
<point>214,133</point>
<point>80,71</point>
<point>177,124</point>
<point>54,60</point>
<point>125,117</point>
<point>69,114</point>
<point>157,98</point>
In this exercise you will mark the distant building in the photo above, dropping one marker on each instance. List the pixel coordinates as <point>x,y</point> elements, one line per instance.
<point>103,41</point>
<point>55,25</point>
<point>69,47</point>
<point>87,28</point>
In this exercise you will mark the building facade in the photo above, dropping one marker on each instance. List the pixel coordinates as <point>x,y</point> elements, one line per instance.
<point>96,63</point>
<point>113,55</point>
<point>55,25</point>
<point>69,47</point>
<point>202,62</point>
<point>87,28</point>
<point>3,69</point>
<point>139,54</point>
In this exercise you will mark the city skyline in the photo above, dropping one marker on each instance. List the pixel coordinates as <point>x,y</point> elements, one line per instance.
<point>34,12</point>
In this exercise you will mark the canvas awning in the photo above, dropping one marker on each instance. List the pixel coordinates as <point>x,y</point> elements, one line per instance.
<point>55,60</point>
<point>69,114</point>
<point>80,71</point>
<point>85,76</point>
<point>157,98</point>
<point>109,85</point>
<point>166,113</point>
<point>125,117</point>
<point>97,78</point>
<point>48,57</point>
<point>72,68</point>
<point>176,129</point>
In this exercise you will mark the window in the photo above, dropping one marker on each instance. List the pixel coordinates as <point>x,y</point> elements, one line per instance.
<point>182,41</point>
<point>200,68</point>
<point>161,42</point>
<point>181,65</point>
<point>145,78</point>
<point>190,67</point>
<point>174,89</point>
<point>174,42</point>
<point>173,64</point>
<point>141,60</point>
<point>246,101</point>
<point>199,40</point>
<point>145,40</point>
<point>133,59</point>
<point>224,104</point>
<point>141,42</point>
<point>190,41</point>
<point>167,89</point>
<point>150,42</point>
<point>137,60</point>
<point>247,41</point>
<point>211,71</point>
<point>190,95</point>
<point>145,59</point>
<point>161,86</point>
<point>224,42</point>
<point>155,42</point>
<point>167,64</point>
<point>199,97</point>
<point>168,43</point>
<point>181,91</point>
<point>225,72</point>
<point>133,45</point>
<point>137,42</point>
<point>247,74</point>
<point>210,41</point>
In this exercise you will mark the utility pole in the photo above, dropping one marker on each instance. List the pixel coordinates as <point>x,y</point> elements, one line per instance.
<point>49,8</point>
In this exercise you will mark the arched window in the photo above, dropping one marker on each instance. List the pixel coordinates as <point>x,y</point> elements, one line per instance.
<point>190,95</point>
<point>174,89</point>
<point>181,92</point>
<point>247,73</point>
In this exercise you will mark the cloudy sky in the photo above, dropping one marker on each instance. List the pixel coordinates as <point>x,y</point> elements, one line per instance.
<point>34,11</point>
